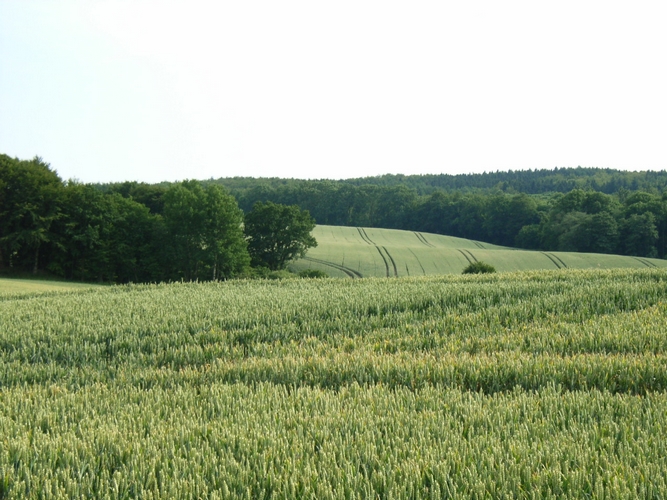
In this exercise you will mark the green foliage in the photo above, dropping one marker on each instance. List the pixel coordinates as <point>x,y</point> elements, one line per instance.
<point>278,234</point>
<point>313,273</point>
<point>206,231</point>
<point>582,232</point>
<point>529,237</point>
<point>29,204</point>
<point>267,274</point>
<point>640,235</point>
<point>544,181</point>
<point>479,267</point>
<point>149,195</point>
<point>103,237</point>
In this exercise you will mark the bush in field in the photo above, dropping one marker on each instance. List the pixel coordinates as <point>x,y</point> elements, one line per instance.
<point>267,274</point>
<point>313,273</point>
<point>479,267</point>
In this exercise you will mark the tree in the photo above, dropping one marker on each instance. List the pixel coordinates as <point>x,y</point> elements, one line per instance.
<point>641,203</point>
<point>505,215</point>
<point>529,237</point>
<point>277,234</point>
<point>582,232</point>
<point>104,237</point>
<point>227,250</point>
<point>83,243</point>
<point>603,231</point>
<point>205,227</point>
<point>29,205</point>
<point>639,235</point>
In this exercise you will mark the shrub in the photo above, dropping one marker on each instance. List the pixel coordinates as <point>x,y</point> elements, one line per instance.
<point>479,267</point>
<point>266,274</point>
<point>313,273</point>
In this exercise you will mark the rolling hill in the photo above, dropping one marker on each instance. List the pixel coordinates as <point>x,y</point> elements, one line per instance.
<point>356,252</point>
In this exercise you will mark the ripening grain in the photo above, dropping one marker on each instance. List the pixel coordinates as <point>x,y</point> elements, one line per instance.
<point>540,384</point>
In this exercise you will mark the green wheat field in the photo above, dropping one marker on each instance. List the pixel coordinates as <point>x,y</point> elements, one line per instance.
<point>364,252</point>
<point>538,384</point>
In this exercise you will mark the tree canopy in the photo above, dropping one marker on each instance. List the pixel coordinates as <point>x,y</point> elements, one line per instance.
<point>189,231</point>
<point>29,205</point>
<point>278,234</point>
<point>205,226</point>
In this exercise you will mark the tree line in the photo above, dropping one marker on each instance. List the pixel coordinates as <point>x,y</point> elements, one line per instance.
<point>625,222</point>
<point>219,229</point>
<point>558,180</point>
<point>582,220</point>
<point>186,231</point>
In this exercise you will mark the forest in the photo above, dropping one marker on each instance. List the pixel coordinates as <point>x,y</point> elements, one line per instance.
<point>194,230</point>
<point>558,180</point>
<point>186,232</point>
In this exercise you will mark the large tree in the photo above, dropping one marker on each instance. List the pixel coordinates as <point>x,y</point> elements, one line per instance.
<point>29,204</point>
<point>639,235</point>
<point>277,234</point>
<point>205,228</point>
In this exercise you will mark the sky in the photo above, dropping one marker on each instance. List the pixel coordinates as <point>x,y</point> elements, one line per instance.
<point>144,90</point>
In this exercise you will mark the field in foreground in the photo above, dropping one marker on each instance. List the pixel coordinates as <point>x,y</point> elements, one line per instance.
<point>354,252</point>
<point>538,384</point>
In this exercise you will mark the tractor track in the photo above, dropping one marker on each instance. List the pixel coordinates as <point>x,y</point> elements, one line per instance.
<point>418,261</point>
<point>647,263</point>
<point>386,264</point>
<point>364,236</point>
<point>553,259</point>
<point>392,261</point>
<point>464,252</point>
<point>465,255</point>
<point>423,240</point>
<point>350,272</point>
<point>559,260</point>
<point>386,255</point>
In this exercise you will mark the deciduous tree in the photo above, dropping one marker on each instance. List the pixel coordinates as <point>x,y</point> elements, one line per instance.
<point>277,234</point>
<point>206,231</point>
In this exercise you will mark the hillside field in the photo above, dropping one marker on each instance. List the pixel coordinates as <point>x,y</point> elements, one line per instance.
<point>365,252</point>
<point>540,384</point>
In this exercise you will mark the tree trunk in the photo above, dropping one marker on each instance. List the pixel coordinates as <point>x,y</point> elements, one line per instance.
<point>36,266</point>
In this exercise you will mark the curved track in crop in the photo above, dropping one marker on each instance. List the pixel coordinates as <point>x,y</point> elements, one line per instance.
<point>558,262</point>
<point>350,272</point>
<point>647,263</point>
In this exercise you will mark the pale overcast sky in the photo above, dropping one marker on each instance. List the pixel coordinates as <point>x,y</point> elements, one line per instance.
<point>166,90</point>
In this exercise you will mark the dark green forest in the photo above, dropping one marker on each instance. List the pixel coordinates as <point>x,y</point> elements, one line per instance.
<point>202,230</point>
<point>186,231</point>
<point>558,180</point>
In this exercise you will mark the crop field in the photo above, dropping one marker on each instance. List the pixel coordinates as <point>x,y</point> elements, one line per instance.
<point>366,252</point>
<point>20,286</point>
<point>542,384</point>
